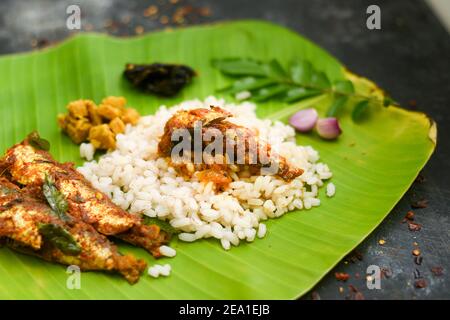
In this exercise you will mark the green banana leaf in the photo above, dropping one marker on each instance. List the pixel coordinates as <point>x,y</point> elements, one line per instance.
<point>374,162</point>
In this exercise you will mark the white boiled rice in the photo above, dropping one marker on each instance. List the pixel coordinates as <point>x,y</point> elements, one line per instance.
<point>140,182</point>
<point>167,251</point>
<point>158,270</point>
<point>87,151</point>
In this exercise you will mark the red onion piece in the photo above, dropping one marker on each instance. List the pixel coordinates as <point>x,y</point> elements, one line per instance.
<point>328,128</point>
<point>304,120</point>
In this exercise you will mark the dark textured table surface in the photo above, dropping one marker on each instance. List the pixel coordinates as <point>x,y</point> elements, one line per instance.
<point>409,57</point>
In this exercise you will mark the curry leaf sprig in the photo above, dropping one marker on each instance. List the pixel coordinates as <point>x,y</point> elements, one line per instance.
<point>270,80</point>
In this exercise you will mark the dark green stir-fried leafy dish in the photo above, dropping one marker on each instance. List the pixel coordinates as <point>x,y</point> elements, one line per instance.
<point>158,78</point>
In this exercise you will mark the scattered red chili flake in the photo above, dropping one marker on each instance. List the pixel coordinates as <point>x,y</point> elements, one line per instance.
<point>358,296</point>
<point>164,20</point>
<point>420,283</point>
<point>139,30</point>
<point>39,43</point>
<point>88,27</point>
<point>386,272</point>
<point>315,295</point>
<point>342,276</point>
<point>126,19</point>
<point>410,215</point>
<point>437,271</point>
<point>204,12</point>
<point>420,204</point>
<point>418,260</point>
<point>412,226</point>
<point>151,11</point>
<point>416,252</point>
<point>355,294</point>
<point>181,13</point>
<point>412,104</point>
<point>352,288</point>
<point>354,256</point>
<point>420,178</point>
<point>111,25</point>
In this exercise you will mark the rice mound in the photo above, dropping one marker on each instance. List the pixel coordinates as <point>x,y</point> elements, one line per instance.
<point>140,182</point>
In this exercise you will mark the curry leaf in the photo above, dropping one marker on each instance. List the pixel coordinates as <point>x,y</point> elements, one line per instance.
<point>269,80</point>
<point>337,105</point>
<point>55,199</point>
<point>344,86</point>
<point>249,84</point>
<point>298,94</point>
<point>301,72</point>
<point>37,142</point>
<point>359,110</point>
<point>60,238</point>
<point>267,93</point>
<point>241,67</point>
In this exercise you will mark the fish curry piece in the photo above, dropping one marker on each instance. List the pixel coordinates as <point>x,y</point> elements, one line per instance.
<point>235,135</point>
<point>30,226</point>
<point>29,166</point>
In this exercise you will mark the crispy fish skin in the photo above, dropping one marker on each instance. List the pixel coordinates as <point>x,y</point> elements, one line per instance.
<point>28,166</point>
<point>20,217</point>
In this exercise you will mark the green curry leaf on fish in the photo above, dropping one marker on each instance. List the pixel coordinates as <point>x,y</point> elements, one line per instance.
<point>35,140</point>
<point>163,225</point>
<point>60,238</point>
<point>55,199</point>
<point>301,80</point>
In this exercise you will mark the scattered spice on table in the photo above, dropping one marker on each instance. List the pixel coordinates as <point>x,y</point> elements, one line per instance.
<point>409,215</point>
<point>355,294</point>
<point>437,271</point>
<point>412,104</point>
<point>386,273</point>
<point>342,276</point>
<point>416,252</point>
<point>420,204</point>
<point>420,178</point>
<point>88,27</point>
<point>354,256</point>
<point>341,290</point>
<point>381,242</point>
<point>315,295</point>
<point>412,226</point>
<point>164,20</point>
<point>139,30</point>
<point>420,283</point>
<point>151,11</point>
<point>39,43</point>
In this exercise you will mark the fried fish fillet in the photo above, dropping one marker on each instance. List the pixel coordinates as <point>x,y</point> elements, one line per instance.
<point>23,219</point>
<point>29,167</point>
<point>235,135</point>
